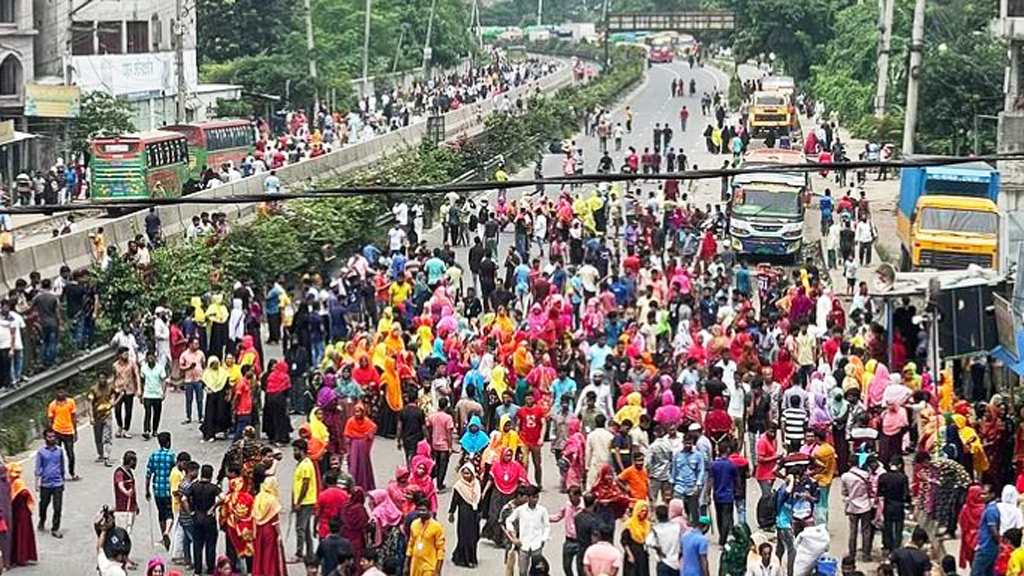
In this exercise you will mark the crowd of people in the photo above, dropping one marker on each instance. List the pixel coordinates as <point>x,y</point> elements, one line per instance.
<point>661,377</point>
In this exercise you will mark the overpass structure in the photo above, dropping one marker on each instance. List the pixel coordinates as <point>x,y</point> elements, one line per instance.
<point>670,21</point>
<point>76,249</point>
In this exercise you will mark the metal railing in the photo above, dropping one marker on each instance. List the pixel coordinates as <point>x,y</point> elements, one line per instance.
<point>40,382</point>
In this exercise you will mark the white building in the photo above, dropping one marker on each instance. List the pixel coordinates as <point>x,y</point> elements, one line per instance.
<point>126,48</point>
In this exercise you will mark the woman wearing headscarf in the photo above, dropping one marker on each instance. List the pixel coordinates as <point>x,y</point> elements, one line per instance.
<point>393,402</point>
<point>632,410</point>
<point>879,381</point>
<point>387,529</point>
<point>156,567</point>
<point>506,476</point>
<point>634,538</point>
<point>276,423</point>
<point>474,441</point>
<point>969,521</point>
<point>217,416</point>
<point>974,457</point>
<point>330,412</point>
<point>237,519</point>
<point>677,514</point>
<point>612,500</point>
<point>736,551</point>
<point>422,479</point>
<point>217,317</point>
<point>894,426</point>
<point>995,440</point>
<point>268,552</point>
<point>839,412</point>
<point>349,393</point>
<point>717,423</point>
<point>359,433</point>
<point>783,368</point>
<point>354,522</point>
<point>1009,509</point>
<point>466,496</point>
<point>819,418</point>
<point>22,534</point>
<point>573,463</point>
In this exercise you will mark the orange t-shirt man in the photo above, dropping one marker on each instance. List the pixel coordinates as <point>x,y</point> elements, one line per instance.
<point>637,481</point>
<point>62,416</point>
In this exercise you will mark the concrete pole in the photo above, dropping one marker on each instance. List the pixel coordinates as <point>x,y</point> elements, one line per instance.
<point>427,52</point>
<point>366,49</point>
<point>540,11</point>
<point>179,62</point>
<point>885,10</point>
<point>311,49</point>
<point>914,77</point>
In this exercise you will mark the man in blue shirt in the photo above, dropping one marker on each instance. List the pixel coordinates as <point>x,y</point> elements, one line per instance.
<point>564,385</point>
<point>50,481</point>
<point>274,312</point>
<point>724,480</point>
<point>158,477</point>
<point>688,477</point>
<point>987,548</point>
<point>435,269</point>
<point>694,547</point>
<point>371,253</point>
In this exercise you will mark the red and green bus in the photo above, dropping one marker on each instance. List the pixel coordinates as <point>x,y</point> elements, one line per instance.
<point>144,165</point>
<point>217,142</point>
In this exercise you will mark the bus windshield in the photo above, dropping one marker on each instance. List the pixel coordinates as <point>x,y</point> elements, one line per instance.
<point>770,201</point>
<point>963,221</point>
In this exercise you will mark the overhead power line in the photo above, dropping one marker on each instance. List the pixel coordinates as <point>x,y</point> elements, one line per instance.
<point>479,186</point>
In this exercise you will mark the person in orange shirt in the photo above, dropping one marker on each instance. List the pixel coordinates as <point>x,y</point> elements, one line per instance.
<point>62,414</point>
<point>636,479</point>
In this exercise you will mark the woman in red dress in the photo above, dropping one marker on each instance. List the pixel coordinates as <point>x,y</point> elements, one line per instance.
<point>269,553</point>
<point>237,515</point>
<point>23,537</point>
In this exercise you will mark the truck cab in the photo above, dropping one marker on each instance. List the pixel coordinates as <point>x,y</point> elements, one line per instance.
<point>769,113</point>
<point>947,217</point>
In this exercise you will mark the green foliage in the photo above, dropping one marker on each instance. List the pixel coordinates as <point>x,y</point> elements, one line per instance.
<point>234,108</point>
<point>229,29</point>
<point>278,63</point>
<point>793,31</point>
<point>100,113</point>
<point>961,76</point>
<point>123,294</point>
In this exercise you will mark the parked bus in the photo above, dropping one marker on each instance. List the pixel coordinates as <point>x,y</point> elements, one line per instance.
<point>144,165</point>
<point>216,143</point>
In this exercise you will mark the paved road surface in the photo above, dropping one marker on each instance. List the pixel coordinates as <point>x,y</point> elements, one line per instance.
<point>82,499</point>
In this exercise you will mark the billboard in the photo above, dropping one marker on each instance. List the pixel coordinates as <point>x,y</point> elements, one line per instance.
<point>52,101</point>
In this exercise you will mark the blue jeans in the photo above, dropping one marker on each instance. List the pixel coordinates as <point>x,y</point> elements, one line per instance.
<point>17,365</point>
<point>83,332</point>
<point>240,423</point>
<point>49,345</point>
<point>984,562</point>
<point>318,350</point>
<point>193,390</point>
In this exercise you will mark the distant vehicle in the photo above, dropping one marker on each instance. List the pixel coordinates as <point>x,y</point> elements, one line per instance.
<point>216,143</point>
<point>947,217</point>
<point>138,166</point>
<point>769,113</point>
<point>661,53</point>
<point>767,208</point>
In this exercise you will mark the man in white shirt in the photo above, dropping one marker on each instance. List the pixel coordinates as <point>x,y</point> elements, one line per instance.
<point>162,335</point>
<point>602,391</point>
<point>599,449</point>
<point>396,239</point>
<point>534,529</point>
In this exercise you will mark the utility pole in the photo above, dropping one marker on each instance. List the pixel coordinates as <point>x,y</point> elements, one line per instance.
<point>179,61</point>
<point>607,35</point>
<point>427,50</point>
<point>366,49</point>
<point>885,9</point>
<point>914,77</point>
<point>540,10</point>
<point>311,49</point>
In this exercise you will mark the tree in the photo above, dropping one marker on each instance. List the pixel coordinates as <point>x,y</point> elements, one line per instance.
<point>794,31</point>
<point>100,113</point>
<point>226,30</point>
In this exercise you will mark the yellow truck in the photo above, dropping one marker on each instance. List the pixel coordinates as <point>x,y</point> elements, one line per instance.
<point>947,217</point>
<point>770,112</point>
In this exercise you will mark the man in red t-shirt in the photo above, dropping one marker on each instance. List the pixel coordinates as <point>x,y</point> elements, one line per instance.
<point>329,503</point>
<point>531,428</point>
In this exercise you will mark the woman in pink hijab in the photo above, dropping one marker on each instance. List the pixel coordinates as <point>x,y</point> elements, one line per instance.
<point>668,414</point>
<point>876,390</point>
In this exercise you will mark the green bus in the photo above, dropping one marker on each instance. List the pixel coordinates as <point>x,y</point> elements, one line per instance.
<point>216,143</point>
<point>144,165</point>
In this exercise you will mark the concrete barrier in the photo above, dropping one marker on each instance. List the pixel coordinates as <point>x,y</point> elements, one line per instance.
<point>75,250</point>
